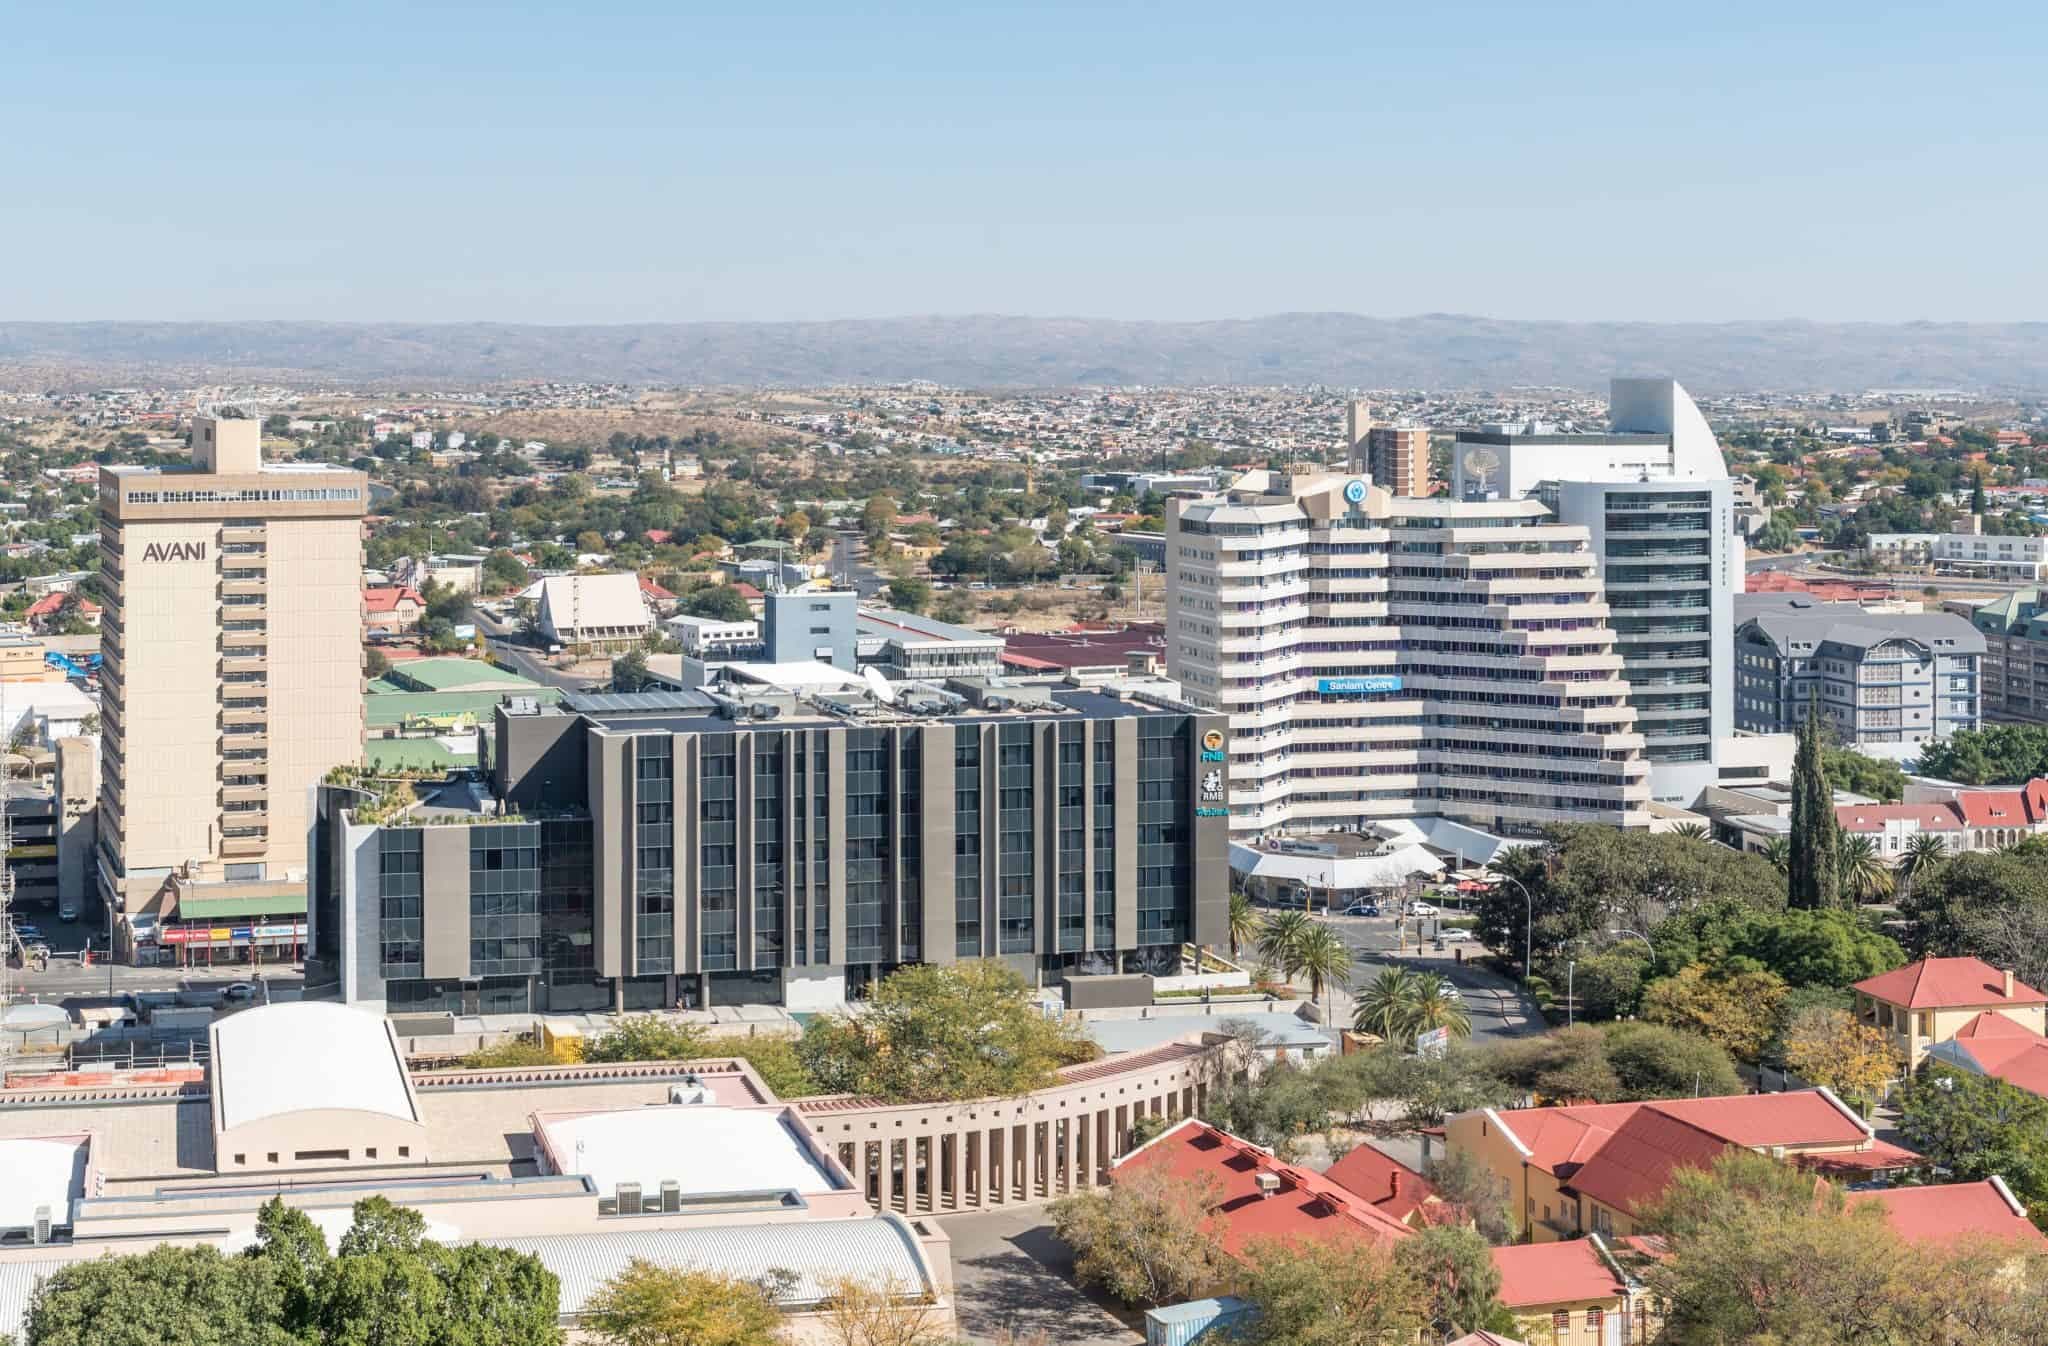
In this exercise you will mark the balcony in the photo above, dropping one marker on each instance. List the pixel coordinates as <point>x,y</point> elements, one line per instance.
<point>244,586</point>
<point>241,846</point>
<point>246,715</point>
<point>244,664</point>
<point>235,563</point>
<point>245,794</point>
<point>244,639</point>
<point>233,535</point>
<point>250,738</point>
<point>244,612</point>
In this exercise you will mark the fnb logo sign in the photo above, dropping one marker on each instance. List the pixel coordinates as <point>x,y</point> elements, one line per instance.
<point>174,551</point>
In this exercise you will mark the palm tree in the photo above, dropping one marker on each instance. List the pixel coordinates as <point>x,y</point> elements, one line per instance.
<point>1245,922</point>
<point>1778,851</point>
<point>1325,959</point>
<point>1922,853</point>
<point>1690,831</point>
<point>1861,870</point>
<point>1385,1006</point>
<point>1280,940</point>
<point>1438,1005</point>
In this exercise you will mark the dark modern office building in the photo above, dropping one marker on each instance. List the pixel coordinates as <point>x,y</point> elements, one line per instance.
<point>777,847</point>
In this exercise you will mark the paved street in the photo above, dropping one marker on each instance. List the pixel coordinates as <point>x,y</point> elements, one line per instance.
<point>1498,1007</point>
<point>508,645</point>
<point>847,567</point>
<point>1010,1274</point>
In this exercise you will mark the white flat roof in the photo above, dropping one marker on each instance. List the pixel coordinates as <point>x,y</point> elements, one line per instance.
<point>707,1150</point>
<point>796,675</point>
<point>38,1172</point>
<point>307,1056</point>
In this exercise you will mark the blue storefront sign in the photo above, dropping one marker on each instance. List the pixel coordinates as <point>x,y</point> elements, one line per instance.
<point>1376,682</point>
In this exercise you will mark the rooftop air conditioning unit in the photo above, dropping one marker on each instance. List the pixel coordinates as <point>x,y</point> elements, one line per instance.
<point>671,1196</point>
<point>629,1198</point>
<point>692,1090</point>
<point>42,1234</point>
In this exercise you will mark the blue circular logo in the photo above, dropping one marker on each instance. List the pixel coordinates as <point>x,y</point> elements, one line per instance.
<point>1354,491</point>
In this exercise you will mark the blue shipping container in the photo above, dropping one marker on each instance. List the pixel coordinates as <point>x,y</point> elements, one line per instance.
<point>1197,1320</point>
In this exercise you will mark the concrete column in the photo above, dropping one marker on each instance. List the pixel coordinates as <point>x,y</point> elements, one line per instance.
<point>1104,1147</point>
<point>1072,1167</point>
<point>888,1178</point>
<point>998,1191</point>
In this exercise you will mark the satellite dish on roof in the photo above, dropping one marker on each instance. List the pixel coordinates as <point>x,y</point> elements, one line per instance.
<point>879,685</point>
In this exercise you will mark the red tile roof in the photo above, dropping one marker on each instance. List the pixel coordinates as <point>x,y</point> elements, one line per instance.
<point>2005,808</point>
<point>1534,1274</point>
<point>388,599</point>
<point>1873,817</point>
<point>1948,983</point>
<point>2006,1050</point>
<point>1382,1180</point>
<point>1943,1214</point>
<point>1803,1117</point>
<point>1637,1163</point>
<point>1306,1205</point>
<point>653,590</point>
<point>745,590</point>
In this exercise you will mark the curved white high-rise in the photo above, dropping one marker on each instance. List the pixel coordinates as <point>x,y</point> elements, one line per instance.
<point>1388,658</point>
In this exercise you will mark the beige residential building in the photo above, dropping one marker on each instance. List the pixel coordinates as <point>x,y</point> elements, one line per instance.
<point>1397,457</point>
<point>232,678</point>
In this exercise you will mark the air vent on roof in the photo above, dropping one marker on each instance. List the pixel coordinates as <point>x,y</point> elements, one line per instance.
<point>1267,1183</point>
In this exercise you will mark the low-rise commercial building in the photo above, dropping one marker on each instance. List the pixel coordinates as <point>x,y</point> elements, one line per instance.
<point>1932,1000</point>
<point>779,844</point>
<point>593,612</point>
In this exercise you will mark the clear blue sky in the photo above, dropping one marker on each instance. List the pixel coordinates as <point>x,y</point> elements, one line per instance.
<point>599,162</point>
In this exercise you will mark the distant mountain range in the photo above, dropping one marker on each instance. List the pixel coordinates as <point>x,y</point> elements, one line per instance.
<point>1442,351</point>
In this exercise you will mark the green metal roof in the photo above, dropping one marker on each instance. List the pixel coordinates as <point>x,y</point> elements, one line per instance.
<point>441,675</point>
<point>393,754</point>
<point>389,709</point>
<point>240,908</point>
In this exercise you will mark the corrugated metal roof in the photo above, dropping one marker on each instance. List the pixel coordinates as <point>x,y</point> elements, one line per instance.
<point>878,1250</point>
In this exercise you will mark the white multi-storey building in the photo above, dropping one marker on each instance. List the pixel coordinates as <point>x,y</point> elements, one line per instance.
<point>1656,500</point>
<point>1391,659</point>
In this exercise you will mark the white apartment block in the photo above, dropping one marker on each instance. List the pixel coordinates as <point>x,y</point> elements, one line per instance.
<point>1989,556</point>
<point>1387,659</point>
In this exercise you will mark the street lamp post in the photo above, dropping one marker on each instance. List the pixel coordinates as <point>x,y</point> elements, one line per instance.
<point>1637,934</point>
<point>1528,923</point>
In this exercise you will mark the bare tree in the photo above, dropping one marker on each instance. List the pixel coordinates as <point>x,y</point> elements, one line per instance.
<point>885,1312</point>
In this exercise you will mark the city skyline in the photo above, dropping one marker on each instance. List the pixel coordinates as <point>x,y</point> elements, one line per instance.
<point>635,165</point>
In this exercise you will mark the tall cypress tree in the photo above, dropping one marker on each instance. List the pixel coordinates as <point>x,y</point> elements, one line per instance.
<point>1814,880</point>
<point>1977,493</point>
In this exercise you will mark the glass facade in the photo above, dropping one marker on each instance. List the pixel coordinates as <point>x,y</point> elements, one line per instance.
<point>1016,865</point>
<point>1049,841</point>
<point>867,843</point>
<point>504,900</point>
<point>966,843</point>
<point>399,941</point>
<point>654,855</point>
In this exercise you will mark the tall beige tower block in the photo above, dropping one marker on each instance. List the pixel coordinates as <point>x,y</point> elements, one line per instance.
<point>232,644</point>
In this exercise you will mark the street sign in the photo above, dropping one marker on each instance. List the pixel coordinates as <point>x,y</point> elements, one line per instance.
<point>1433,1042</point>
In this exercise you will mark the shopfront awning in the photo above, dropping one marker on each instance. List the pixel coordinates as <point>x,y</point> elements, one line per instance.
<point>240,908</point>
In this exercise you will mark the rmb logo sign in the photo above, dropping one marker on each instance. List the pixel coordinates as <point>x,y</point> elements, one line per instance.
<point>174,551</point>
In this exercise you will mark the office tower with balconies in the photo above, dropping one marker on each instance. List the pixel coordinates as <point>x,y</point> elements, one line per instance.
<point>1397,458</point>
<point>1391,664</point>
<point>232,671</point>
<point>1654,495</point>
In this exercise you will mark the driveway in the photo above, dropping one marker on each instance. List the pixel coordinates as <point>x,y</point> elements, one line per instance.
<point>1013,1283</point>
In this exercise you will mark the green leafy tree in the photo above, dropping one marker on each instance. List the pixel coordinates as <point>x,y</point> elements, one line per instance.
<point>1861,874</point>
<point>931,1032</point>
<point>719,602</point>
<point>1336,1292</point>
<point>648,1037</point>
<point>629,671</point>
<point>1879,779</point>
<point>910,594</point>
<point>1653,1061</point>
<point>1831,1047</point>
<point>375,664</point>
<point>168,1296</point>
<point>1459,1280</point>
<point>1975,1126</point>
<point>1805,948</point>
<point>1736,1010</point>
<point>1282,940</point>
<point>1814,877</point>
<point>1385,1006</point>
<point>1438,1005</point>
<point>295,1252</point>
<point>1478,1195</point>
<point>652,1305</point>
<point>1997,754</point>
<point>1569,1065</point>
<point>1147,1239</point>
<point>1323,958</point>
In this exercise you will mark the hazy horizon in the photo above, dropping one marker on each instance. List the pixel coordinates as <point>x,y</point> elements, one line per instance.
<point>628,162</point>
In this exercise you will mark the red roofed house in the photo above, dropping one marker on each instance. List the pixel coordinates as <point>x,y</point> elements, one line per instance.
<point>1951,1211</point>
<point>2000,1046</point>
<point>1892,827</point>
<point>1392,1186</point>
<point>395,608</point>
<point>43,613</point>
<point>1931,1001</point>
<point>1259,1196</point>
<point>1570,1170</point>
<point>1573,1294</point>
<point>1998,818</point>
<point>659,600</point>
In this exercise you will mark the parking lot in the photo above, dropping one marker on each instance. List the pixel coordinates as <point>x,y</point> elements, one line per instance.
<point>1013,1283</point>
